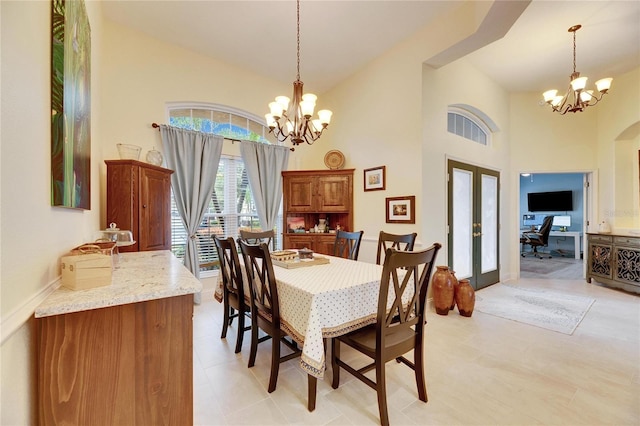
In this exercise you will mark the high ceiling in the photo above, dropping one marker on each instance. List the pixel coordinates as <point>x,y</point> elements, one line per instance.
<point>340,37</point>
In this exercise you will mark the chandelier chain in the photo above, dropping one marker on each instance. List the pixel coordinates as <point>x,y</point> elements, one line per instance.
<point>298,38</point>
<point>574,51</point>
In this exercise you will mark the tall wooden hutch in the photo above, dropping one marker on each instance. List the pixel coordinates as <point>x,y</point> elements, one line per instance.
<point>312,195</point>
<point>139,200</point>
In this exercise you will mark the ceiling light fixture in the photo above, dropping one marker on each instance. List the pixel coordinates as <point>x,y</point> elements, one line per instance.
<point>294,121</point>
<point>577,98</point>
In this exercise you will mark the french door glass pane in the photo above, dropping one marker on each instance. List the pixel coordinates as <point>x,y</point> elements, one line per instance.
<point>489,212</point>
<point>462,223</point>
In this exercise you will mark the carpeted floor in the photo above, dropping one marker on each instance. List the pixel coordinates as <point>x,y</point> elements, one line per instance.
<point>554,311</point>
<point>561,268</point>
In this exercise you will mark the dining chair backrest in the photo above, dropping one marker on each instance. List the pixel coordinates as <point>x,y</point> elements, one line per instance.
<point>407,274</point>
<point>235,298</point>
<point>262,281</point>
<point>230,266</point>
<point>347,244</point>
<point>400,242</point>
<point>257,237</point>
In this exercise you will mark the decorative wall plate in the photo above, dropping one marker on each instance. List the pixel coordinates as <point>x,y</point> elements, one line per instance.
<point>334,159</point>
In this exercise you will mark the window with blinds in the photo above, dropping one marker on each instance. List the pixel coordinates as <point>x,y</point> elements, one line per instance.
<point>463,123</point>
<point>232,206</point>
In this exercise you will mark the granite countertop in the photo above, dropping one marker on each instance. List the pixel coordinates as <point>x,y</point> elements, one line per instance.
<point>136,277</point>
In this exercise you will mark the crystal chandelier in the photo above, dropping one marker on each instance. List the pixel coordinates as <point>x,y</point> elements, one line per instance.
<point>577,98</point>
<point>293,121</point>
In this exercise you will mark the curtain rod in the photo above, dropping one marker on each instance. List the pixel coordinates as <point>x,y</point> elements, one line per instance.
<point>157,126</point>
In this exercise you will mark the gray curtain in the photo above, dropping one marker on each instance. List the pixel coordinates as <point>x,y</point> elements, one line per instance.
<point>194,157</point>
<point>264,162</point>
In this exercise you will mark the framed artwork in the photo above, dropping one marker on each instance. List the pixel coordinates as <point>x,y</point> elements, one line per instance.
<point>70,105</point>
<point>374,179</point>
<point>295,224</point>
<point>401,209</point>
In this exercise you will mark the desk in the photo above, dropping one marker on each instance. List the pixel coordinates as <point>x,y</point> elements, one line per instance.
<point>577,236</point>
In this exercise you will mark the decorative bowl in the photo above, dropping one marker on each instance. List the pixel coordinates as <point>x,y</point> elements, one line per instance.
<point>128,152</point>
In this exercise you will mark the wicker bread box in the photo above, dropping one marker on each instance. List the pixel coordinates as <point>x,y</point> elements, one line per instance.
<point>88,266</point>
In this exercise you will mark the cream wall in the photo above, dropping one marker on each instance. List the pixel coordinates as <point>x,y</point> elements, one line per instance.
<point>33,234</point>
<point>618,114</point>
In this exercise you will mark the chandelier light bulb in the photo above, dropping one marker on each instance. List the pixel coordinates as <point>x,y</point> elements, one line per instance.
<point>276,110</point>
<point>271,122</point>
<point>603,84</point>
<point>586,96</point>
<point>549,95</point>
<point>579,83</point>
<point>325,116</point>
<point>284,101</point>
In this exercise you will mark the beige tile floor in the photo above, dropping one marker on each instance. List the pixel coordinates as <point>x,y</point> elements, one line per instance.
<point>481,370</point>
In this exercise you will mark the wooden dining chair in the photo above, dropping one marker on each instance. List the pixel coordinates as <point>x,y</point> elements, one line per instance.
<point>399,326</point>
<point>400,242</point>
<point>347,244</point>
<point>265,308</point>
<point>257,237</point>
<point>236,302</point>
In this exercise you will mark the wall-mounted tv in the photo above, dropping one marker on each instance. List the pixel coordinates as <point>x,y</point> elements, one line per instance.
<point>556,201</point>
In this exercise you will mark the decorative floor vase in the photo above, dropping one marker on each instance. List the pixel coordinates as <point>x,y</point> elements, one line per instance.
<point>455,285</point>
<point>443,292</point>
<point>465,298</point>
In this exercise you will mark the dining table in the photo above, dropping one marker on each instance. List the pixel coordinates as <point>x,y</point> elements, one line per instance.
<point>324,300</point>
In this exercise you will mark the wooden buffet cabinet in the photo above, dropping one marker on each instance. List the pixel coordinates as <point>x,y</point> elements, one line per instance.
<point>139,200</point>
<point>120,354</point>
<point>311,195</point>
<point>614,260</point>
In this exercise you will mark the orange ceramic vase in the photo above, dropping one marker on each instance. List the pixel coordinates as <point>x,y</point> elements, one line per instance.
<point>465,298</point>
<point>443,292</point>
<point>455,285</point>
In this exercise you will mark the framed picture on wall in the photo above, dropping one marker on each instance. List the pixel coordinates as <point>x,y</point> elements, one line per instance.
<point>70,105</point>
<point>401,209</point>
<point>374,179</point>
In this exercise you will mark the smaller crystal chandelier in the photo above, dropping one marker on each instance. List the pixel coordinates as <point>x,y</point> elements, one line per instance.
<point>294,121</point>
<point>577,98</point>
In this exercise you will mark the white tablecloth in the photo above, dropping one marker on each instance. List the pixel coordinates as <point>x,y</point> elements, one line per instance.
<point>328,300</point>
<point>321,301</point>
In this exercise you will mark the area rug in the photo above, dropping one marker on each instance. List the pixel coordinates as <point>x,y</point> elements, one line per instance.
<point>558,312</point>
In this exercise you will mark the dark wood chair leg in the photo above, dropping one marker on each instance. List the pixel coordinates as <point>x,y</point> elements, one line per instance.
<point>225,320</point>
<point>311,392</point>
<point>241,319</point>
<point>418,362</point>
<point>254,342</point>
<point>335,354</point>
<point>275,364</point>
<point>381,389</point>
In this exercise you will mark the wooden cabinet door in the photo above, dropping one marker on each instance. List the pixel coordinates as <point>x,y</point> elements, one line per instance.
<point>299,194</point>
<point>325,244</point>
<point>155,210</point>
<point>122,198</point>
<point>300,241</point>
<point>334,193</point>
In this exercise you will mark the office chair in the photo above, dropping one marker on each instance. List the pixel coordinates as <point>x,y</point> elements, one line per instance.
<point>537,239</point>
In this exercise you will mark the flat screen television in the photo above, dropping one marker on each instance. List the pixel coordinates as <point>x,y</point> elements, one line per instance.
<point>555,201</point>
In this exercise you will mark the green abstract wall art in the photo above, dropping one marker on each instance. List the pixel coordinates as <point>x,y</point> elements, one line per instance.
<point>70,105</point>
